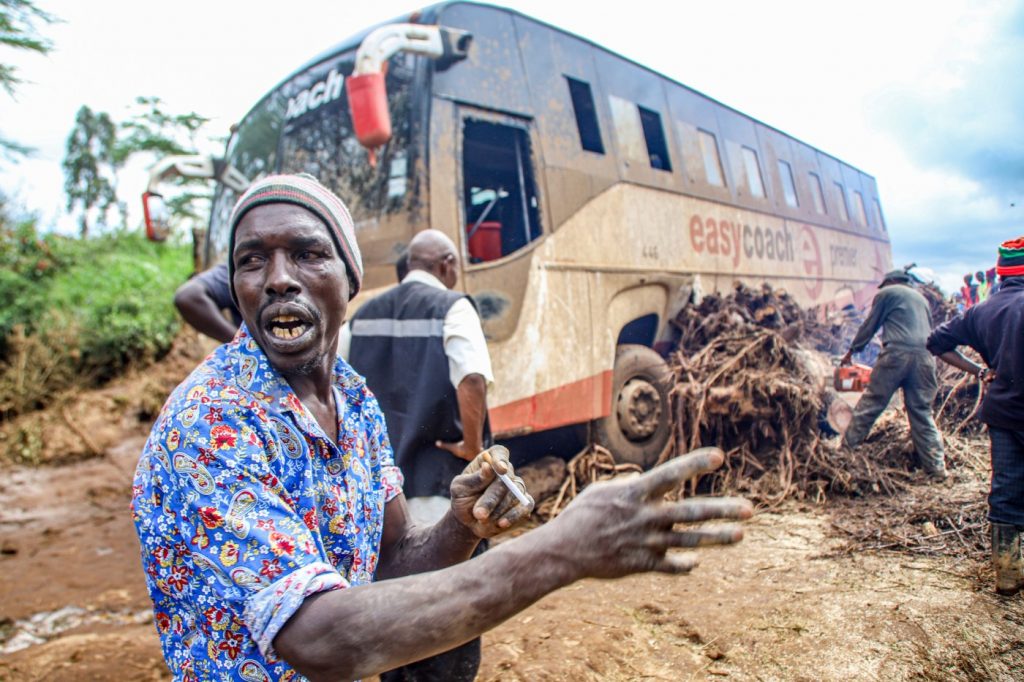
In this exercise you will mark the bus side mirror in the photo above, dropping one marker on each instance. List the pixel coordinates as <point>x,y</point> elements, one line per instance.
<point>367,95</point>
<point>368,102</point>
<point>158,218</point>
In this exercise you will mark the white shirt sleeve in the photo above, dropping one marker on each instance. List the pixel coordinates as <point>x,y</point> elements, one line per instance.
<point>345,341</point>
<point>465,345</point>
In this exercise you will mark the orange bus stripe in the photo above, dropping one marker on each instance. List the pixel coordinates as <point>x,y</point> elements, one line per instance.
<point>579,401</point>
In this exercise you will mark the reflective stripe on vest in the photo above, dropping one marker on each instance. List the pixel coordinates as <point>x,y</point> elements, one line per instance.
<point>398,328</point>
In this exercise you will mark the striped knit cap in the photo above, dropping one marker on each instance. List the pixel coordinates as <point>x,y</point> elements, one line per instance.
<point>1011,258</point>
<point>302,190</point>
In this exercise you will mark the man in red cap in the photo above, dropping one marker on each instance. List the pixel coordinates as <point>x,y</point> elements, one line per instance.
<point>995,328</point>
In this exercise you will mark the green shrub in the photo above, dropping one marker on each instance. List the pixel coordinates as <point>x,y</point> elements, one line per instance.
<point>97,305</point>
<point>120,292</point>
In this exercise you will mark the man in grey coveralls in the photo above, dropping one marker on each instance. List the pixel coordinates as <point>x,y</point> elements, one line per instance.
<point>905,318</point>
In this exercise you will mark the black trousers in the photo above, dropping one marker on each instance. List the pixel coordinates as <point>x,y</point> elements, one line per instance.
<point>1006,498</point>
<point>455,665</point>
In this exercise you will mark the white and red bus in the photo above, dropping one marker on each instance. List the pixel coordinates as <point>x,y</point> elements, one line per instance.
<point>590,196</point>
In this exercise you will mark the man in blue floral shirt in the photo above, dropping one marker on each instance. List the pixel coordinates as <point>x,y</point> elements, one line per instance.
<point>274,533</point>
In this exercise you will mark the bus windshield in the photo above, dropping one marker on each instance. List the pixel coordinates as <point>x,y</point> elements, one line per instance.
<point>305,127</point>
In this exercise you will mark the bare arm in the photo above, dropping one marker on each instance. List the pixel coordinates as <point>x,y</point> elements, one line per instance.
<point>481,507</point>
<point>472,397</point>
<point>613,529</point>
<point>961,361</point>
<point>407,548</point>
<point>353,633</point>
<point>199,310</point>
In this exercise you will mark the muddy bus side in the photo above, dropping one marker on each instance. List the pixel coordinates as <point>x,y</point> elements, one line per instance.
<point>593,196</point>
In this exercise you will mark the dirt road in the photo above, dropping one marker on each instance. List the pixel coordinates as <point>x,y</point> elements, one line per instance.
<point>786,604</point>
<point>780,606</point>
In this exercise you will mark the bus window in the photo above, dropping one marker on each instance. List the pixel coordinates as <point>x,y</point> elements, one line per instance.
<point>712,161</point>
<point>629,131</point>
<point>499,192</point>
<point>753,168</point>
<point>253,151</point>
<point>819,196</point>
<point>654,136</point>
<point>788,188</point>
<point>321,141</point>
<point>879,220</point>
<point>844,212</point>
<point>586,115</point>
<point>858,209</point>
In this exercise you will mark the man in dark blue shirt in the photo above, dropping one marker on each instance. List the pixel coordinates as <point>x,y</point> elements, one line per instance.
<point>995,328</point>
<point>202,301</point>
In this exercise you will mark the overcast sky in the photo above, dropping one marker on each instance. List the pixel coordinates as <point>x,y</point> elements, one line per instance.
<point>928,97</point>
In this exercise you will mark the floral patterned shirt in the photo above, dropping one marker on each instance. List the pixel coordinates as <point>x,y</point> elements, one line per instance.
<point>244,507</point>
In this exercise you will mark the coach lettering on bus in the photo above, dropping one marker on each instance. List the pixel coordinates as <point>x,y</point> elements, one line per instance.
<point>726,238</point>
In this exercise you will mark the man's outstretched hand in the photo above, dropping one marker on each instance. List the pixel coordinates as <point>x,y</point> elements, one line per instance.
<point>625,526</point>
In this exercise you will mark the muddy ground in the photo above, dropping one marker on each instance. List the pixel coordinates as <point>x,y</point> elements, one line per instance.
<point>787,604</point>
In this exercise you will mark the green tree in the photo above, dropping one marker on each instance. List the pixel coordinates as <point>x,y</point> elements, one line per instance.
<point>18,20</point>
<point>91,165</point>
<point>151,129</point>
<point>98,148</point>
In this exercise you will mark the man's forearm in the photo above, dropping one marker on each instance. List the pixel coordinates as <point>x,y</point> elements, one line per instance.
<point>960,361</point>
<point>472,398</point>
<point>427,548</point>
<point>353,633</point>
<point>612,529</point>
<point>204,315</point>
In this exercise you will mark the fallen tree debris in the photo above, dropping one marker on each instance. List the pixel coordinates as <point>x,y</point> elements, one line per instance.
<point>750,376</point>
<point>591,465</point>
<point>927,520</point>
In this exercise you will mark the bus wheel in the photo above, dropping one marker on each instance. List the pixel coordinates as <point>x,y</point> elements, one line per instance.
<point>639,425</point>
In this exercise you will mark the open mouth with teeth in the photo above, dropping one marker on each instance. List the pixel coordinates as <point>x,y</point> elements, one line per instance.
<point>287,327</point>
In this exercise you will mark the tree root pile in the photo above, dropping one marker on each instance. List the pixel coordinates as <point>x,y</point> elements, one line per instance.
<point>750,377</point>
<point>744,311</point>
<point>756,397</point>
<point>591,465</point>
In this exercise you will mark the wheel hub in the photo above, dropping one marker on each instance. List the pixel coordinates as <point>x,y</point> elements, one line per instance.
<point>638,409</point>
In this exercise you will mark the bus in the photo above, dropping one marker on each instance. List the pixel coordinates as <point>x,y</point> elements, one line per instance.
<point>592,199</point>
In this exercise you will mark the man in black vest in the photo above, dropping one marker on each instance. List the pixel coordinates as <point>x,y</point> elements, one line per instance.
<point>422,350</point>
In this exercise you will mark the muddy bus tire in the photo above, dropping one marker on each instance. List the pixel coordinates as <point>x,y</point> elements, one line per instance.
<point>639,425</point>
